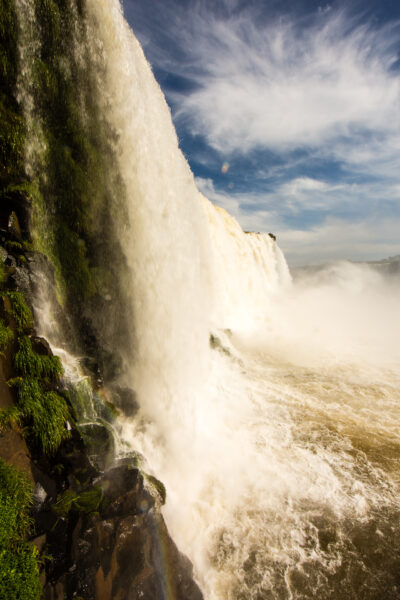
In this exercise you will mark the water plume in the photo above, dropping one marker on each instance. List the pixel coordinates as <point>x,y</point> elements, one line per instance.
<point>275,435</point>
<point>267,406</point>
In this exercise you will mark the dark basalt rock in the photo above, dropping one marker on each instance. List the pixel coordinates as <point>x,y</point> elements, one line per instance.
<point>14,227</point>
<point>111,543</point>
<point>99,442</point>
<point>124,551</point>
<point>125,400</point>
<point>41,346</point>
<point>103,530</point>
<point>17,201</point>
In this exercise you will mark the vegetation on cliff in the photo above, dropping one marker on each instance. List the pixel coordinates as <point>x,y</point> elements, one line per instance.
<point>19,572</point>
<point>57,158</point>
<point>12,123</point>
<point>60,201</point>
<point>75,190</point>
<point>41,411</point>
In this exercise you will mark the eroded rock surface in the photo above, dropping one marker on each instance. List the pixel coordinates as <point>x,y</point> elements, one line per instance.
<point>124,551</point>
<point>113,544</point>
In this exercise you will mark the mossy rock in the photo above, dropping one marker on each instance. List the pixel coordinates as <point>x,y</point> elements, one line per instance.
<point>19,311</point>
<point>29,363</point>
<point>158,486</point>
<point>100,443</point>
<point>19,569</point>
<point>44,414</point>
<point>88,501</point>
<point>6,335</point>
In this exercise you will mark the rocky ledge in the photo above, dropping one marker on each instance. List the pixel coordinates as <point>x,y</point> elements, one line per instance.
<point>97,525</point>
<point>107,537</point>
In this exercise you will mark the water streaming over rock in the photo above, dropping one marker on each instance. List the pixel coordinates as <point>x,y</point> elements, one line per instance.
<point>268,408</point>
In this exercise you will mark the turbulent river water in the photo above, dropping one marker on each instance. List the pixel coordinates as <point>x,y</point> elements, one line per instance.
<point>269,407</point>
<point>283,473</point>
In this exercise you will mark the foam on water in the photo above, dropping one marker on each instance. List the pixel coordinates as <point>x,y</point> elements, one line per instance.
<point>277,436</point>
<point>277,442</point>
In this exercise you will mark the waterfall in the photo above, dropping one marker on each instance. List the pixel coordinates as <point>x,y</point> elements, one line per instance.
<point>265,438</point>
<point>267,407</point>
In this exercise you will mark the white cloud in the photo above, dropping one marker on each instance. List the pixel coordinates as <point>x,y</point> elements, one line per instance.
<point>283,88</point>
<point>327,85</point>
<point>303,184</point>
<point>304,193</point>
<point>244,207</point>
<point>364,239</point>
<point>365,235</point>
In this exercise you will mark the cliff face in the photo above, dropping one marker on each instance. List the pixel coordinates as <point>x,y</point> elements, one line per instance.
<point>93,522</point>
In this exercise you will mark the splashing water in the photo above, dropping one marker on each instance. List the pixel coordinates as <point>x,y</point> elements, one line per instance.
<point>268,408</point>
<point>277,441</point>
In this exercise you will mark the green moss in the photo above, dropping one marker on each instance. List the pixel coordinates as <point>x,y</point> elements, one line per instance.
<point>31,364</point>
<point>158,485</point>
<point>16,491</point>
<point>6,335</point>
<point>76,184</point>
<point>10,417</point>
<point>12,246</point>
<point>12,138</point>
<point>87,502</point>
<point>8,45</point>
<point>43,413</point>
<point>19,572</point>
<point>2,272</point>
<point>66,186</point>
<point>12,130</point>
<point>52,433</point>
<point>20,311</point>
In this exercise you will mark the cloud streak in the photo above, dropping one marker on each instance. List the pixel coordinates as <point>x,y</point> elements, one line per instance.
<point>305,108</point>
<point>364,233</point>
<point>282,87</point>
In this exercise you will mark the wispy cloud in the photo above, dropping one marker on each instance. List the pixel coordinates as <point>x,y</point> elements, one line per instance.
<point>283,87</point>
<point>364,239</point>
<point>326,83</point>
<point>318,93</point>
<point>365,233</point>
<point>303,184</point>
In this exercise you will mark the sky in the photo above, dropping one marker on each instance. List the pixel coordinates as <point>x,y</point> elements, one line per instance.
<point>288,113</point>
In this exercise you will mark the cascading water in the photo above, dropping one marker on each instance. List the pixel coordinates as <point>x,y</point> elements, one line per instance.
<point>267,407</point>
<point>277,445</point>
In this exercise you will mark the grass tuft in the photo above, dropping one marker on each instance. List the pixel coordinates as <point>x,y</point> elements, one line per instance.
<point>31,364</point>
<point>87,502</point>
<point>10,417</point>
<point>44,413</point>
<point>6,335</point>
<point>20,311</point>
<point>19,571</point>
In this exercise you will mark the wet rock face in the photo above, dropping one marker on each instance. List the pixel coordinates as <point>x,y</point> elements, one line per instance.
<point>121,550</point>
<point>101,526</point>
<point>124,552</point>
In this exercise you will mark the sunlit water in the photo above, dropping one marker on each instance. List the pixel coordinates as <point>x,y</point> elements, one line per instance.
<point>270,409</point>
<point>283,479</point>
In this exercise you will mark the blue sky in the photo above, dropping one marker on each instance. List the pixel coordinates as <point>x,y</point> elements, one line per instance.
<point>288,113</point>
